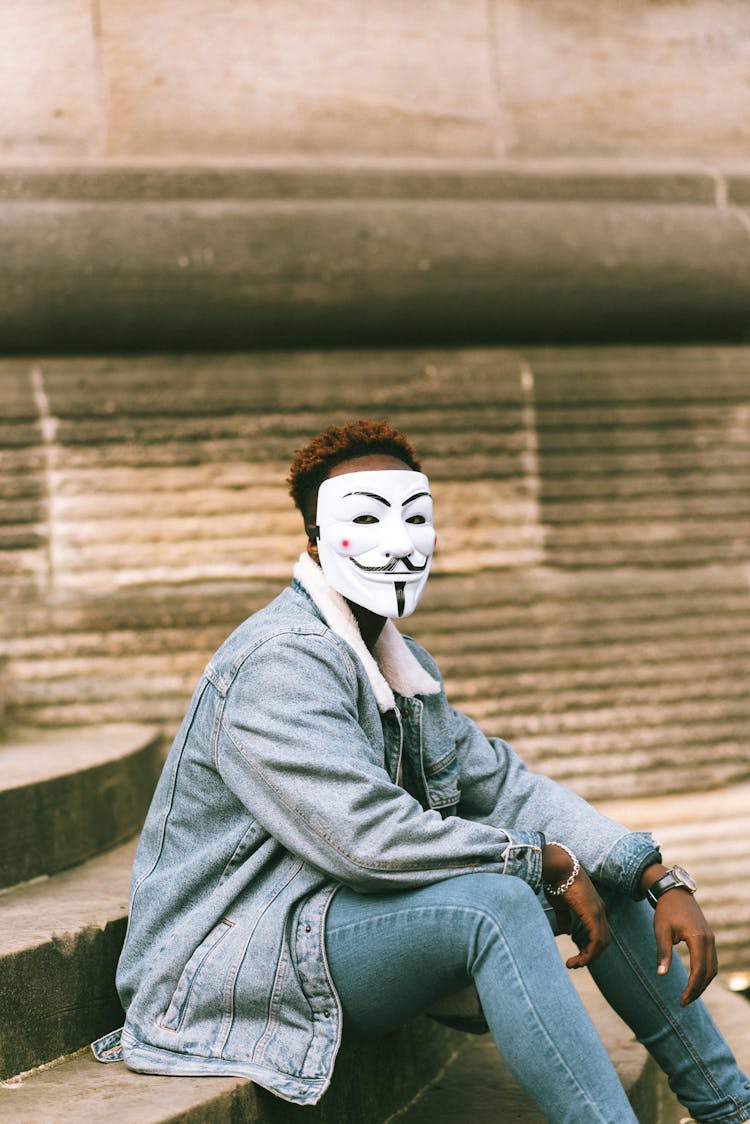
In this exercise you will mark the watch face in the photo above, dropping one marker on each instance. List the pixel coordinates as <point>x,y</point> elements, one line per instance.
<point>686,879</point>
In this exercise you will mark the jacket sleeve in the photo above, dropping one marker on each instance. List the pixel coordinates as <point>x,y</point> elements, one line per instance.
<point>497,787</point>
<point>291,748</point>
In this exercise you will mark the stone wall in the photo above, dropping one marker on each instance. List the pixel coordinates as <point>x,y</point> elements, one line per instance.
<point>467,79</point>
<point>590,598</point>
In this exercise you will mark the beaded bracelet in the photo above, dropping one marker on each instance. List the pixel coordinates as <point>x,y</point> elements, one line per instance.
<point>553,891</point>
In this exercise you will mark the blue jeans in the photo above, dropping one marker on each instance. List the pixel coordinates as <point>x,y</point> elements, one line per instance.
<point>394,955</point>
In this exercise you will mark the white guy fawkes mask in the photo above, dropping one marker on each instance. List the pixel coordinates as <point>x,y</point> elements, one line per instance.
<point>376,538</point>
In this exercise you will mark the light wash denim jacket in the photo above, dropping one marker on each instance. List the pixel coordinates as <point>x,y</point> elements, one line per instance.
<point>285,780</point>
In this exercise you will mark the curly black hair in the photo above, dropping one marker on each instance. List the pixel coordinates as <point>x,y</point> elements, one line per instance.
<point>313,462</point>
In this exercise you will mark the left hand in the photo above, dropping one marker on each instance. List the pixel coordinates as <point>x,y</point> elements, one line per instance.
<point>678,917</point>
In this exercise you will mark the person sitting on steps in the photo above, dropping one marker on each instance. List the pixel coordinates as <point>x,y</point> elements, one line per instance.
<point>331,846</point>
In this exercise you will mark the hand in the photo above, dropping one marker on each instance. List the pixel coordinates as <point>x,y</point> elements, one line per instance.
<point>582,899</point>
<point>678,917</point>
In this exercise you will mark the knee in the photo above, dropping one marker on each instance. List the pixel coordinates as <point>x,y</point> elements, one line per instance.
<point>505,914</point>
<point>502,897</point>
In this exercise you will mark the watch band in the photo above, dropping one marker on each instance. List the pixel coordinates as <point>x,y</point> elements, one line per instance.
<point>677,878</point>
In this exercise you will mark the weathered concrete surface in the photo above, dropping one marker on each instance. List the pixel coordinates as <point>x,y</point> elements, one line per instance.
<point>446,78</point>
<point>477,1085</point>
<point>707,833</point>
<point>50,100</point>
<point>345,177</point>
<point>228,273</point>
<point>370,1083</point>
<point>70,794</point>
<point>589,598</point>
<point>59,945</point>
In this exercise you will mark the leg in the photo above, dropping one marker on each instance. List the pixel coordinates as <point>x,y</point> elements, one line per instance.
<point>684,1041</point>
<point>393,955</point>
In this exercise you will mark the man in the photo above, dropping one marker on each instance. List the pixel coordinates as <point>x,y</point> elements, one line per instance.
<point>331,845</point>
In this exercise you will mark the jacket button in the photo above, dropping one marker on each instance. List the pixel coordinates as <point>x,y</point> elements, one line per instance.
<point>308,928</point>
<point>327,1013</point>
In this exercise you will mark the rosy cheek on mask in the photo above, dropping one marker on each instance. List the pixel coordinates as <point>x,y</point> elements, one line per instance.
<point>351,540</point>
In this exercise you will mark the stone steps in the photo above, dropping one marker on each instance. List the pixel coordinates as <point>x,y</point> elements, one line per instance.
<point>68,799</point>
<point>589,599</point>
<point>68,794</point>
<point>60,941</point>
<point>61,937</point>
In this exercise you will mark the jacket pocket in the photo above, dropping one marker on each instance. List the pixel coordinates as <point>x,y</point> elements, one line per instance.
<point>442,783</point>
<point>175,1012</point>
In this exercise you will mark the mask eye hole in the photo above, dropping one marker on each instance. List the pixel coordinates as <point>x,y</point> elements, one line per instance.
<point>365,519</point>
<point>416,519</point>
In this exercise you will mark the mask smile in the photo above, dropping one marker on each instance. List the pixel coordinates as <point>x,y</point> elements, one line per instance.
<point>391,567</point>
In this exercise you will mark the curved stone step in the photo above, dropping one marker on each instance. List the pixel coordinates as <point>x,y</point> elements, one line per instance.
<point>461,1074</point>
<point>59,944</point>
<point>57,993</point>
<point>66,795</point>
<point>371,1082</point>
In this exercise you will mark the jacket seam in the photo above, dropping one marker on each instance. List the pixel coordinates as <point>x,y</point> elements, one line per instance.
<point>322,632</point>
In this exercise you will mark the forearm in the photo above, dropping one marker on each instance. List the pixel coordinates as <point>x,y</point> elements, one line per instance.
<point>498,787</point>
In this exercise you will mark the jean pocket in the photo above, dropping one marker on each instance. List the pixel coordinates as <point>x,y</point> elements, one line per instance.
<point>175,1013</point>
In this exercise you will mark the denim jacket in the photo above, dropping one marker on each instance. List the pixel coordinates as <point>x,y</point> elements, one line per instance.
<point>304,763</point>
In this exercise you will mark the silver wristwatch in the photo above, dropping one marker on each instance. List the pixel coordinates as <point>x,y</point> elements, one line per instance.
<point>675,879</point>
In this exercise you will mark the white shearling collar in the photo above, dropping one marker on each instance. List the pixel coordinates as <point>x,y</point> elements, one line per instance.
<point>396,669</point>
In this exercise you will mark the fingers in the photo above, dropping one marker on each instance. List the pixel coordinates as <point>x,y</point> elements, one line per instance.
<point>703,965</point>
<point>562,915</point>
<point>589,908</point>
<point>598,934</point>
<point>664,935</point>
<point>678,918</point>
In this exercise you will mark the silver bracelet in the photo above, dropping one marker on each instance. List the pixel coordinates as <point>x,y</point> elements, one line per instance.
<point>553,891</point>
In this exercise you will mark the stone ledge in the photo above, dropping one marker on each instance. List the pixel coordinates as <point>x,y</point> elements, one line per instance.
<point>67,795</point>
<point>571,181</point>
<point>222,273</point>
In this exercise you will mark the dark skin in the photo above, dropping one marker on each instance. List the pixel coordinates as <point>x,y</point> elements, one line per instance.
<point>677,916</point>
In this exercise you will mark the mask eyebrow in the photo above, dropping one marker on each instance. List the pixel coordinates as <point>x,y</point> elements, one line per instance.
<point>416,496</point>
<point>372,495</point>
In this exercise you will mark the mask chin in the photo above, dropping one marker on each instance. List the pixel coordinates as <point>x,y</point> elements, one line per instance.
<point>386,597</point>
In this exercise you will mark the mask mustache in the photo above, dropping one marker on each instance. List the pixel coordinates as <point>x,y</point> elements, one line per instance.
<point>390,566</point>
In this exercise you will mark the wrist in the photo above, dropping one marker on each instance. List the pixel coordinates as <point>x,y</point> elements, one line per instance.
<point>650,875</point>
<point>557,863</point>
<point>675,878</point>
<point>557,881</point>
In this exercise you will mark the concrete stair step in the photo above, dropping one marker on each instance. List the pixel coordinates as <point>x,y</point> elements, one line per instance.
<point>59,944</point>
<point>478,1079</point>
<point>434,1077</point>
<point>66,795</point>
<point>371,1083</point>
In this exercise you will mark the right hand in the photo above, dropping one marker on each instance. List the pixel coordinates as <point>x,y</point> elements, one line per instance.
<point>582,899</point>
